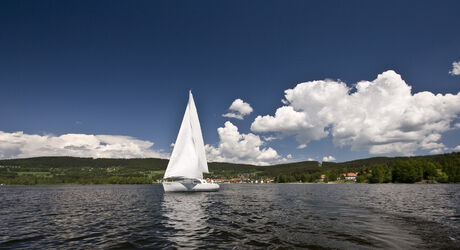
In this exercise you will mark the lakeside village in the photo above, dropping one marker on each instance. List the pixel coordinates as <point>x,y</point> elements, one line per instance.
<point>347,177</point>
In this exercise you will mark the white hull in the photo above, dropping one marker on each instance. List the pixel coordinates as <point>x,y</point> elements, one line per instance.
<point>177,186</point>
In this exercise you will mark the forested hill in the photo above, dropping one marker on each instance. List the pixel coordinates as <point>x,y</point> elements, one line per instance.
<point>74,170</point>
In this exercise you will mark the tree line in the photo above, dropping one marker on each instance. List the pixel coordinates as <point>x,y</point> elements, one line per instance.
<point>435,169</point>
<point>444,168</point>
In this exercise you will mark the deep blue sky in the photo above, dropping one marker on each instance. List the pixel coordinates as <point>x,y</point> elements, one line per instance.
<point>125,67</point>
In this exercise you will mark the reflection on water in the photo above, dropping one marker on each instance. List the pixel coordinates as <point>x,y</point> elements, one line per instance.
<point>185,213</point>
<point>238,216</point>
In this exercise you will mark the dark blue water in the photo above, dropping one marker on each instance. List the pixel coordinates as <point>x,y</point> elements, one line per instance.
<point>357,216</point>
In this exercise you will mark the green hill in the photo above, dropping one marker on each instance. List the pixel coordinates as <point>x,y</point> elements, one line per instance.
<point>75,170</point>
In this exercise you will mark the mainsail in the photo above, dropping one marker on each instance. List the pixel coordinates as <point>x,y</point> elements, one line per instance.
<point>188,158</point>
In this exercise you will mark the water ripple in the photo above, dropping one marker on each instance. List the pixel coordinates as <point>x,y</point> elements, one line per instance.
<point>237,217</point>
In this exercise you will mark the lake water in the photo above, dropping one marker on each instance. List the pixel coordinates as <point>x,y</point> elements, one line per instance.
<point>387,216</point>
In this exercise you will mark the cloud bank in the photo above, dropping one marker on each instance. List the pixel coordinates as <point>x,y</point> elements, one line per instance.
<point>455,69</point>
<point>240,148</point>
<point>239,109</point>
<point>21,145</point>
<point>381,116</point>
<point>329,158</point>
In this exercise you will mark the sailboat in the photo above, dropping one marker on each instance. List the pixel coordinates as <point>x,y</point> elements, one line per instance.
<point>188,159</point>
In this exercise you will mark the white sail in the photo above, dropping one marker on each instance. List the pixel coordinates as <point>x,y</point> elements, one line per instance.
<point>197,136</point>
<point>188,159</point>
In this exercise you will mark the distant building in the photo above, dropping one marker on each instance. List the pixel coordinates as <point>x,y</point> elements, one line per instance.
<point>348,176</point>
<point>322,177</point>
<point>241,180</point>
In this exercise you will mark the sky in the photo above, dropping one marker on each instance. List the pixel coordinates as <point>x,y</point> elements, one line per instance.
<point>273,81</point>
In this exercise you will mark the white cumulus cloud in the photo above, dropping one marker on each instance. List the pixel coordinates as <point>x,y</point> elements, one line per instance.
<point>455,69</point>
<point>240,148</point>
<point>329,158</point>
<point>381,116</point>
<point>302,146</point>
<point>269,138</point>
<point>21,145</point>
<point>239,109</point>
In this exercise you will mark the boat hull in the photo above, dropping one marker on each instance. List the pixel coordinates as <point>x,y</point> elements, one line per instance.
<point>189,187</point>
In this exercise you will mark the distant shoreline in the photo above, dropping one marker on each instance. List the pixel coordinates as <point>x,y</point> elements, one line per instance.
<point>442,168</point>
<point>259,184</point>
